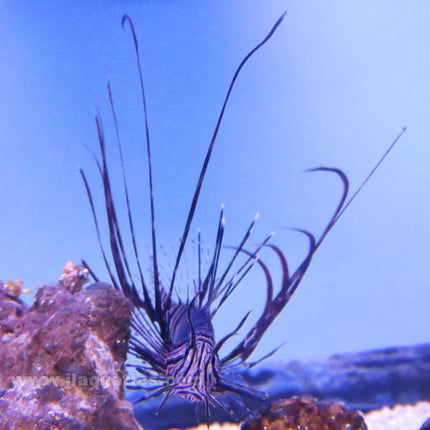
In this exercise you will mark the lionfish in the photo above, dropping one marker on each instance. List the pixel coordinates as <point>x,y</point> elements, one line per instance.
<point>174,339</point>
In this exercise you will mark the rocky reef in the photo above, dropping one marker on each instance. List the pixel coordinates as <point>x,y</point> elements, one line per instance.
<point>306,412</point>
<point>62,359</point>
<point>364,380</point>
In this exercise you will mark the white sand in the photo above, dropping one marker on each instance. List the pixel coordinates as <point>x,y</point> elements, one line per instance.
<point>402,417</point>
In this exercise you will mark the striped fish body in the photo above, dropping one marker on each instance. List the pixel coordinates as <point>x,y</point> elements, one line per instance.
<point>175,341</point>
<point>192,365</point>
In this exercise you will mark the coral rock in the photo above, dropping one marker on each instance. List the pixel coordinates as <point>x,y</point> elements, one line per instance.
<point>62,360</point>
<point>74,277</point>
<point>305,412</point>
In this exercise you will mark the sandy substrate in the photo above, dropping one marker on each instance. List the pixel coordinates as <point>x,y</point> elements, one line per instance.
<point>402,417</point>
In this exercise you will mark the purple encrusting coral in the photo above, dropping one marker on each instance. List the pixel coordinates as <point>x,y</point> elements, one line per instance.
<point>62,359</point>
